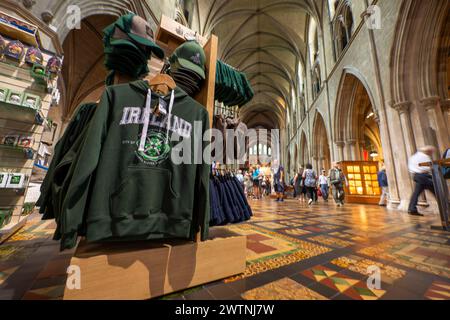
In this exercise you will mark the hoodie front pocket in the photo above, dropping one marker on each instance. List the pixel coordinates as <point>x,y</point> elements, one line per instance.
<point>143,193</point>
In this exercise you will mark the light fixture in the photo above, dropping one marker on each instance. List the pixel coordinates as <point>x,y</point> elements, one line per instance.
<point>370,115</point>
<point>374,154</point>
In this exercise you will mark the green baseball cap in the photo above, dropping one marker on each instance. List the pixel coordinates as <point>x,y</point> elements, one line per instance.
<point>134,27</point>
<point>190,55</point>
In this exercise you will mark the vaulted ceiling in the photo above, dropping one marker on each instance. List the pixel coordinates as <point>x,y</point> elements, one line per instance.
<point>266,39</point>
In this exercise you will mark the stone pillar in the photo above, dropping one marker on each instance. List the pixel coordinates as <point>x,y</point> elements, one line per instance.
<point>315,163</point>
<point>405,184</point>
<point>340,145</point>
<point>445,104</point>
<point>321,163</point>
<point>361,145</point>
<point>437,122</point>
<point>351,149</point>
<point>403,110</point>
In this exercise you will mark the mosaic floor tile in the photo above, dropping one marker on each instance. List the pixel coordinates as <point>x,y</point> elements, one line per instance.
<point>417,254</point>
<point>284,289</point>
<point>330,241</point>
<point>270,225</point>
<point>296,232</point>
<point>414,259</point>
<point>438,291</point>
<point>353,288</point>
<point>360,265</point>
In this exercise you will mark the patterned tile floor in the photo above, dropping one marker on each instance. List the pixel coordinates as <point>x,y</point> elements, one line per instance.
<point>294,252</point>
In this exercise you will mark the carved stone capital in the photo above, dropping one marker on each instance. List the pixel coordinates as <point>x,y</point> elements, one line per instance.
<point>47,16</point>
<point>28,3</point>
<point>340,144</point>
<point>402,107</point>
<point>351,142</point>
<point>445,104</point>
<point>430,102</point>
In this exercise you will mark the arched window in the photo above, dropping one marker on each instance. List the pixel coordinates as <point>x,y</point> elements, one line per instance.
<point>342,23</point>
<point>315,58</point>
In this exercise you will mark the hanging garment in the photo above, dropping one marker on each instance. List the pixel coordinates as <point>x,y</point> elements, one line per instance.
<point>232,86</point>
<point>125,185</point>
<point>73,133</point>
<point>232,206</point>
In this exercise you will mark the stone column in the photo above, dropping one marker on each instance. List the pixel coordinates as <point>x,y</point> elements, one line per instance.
<point>403,110</point>
<point>321,163</point>
<point>405,184</point>
<point>351,149</point>
<point>315,163</point>
<point>340,145</point>
<point>437,122</point>
<point>361,145</point>
<point>445,104</point>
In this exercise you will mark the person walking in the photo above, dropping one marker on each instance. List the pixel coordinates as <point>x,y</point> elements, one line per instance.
<point>256,183</point>
<point>298,183</point>
<point>383,183</point>
<point>248,185</point>
<point>268,186</point>
<point>310,181</point>
<point>324,187</point>
<point>337,181</point>
<point>422,176</point>
<point>278,180</point>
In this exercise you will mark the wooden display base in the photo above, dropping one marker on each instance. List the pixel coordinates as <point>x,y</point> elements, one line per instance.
<point>11,229</point>
<point>148,270</point>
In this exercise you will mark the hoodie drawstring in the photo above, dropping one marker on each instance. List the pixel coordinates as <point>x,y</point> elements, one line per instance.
<point>147,111</point>
<point>172,100</point>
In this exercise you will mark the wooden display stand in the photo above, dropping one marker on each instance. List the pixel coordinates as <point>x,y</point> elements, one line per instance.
<point>151,269</point>
<point>363,182</point>
<point>18,119</point>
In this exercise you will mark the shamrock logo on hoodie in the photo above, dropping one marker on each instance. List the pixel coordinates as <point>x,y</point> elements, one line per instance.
<point>156,149</point>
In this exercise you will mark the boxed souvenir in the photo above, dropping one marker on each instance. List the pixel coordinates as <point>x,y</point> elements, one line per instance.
<point>34,55</point>
<point>14,97</point>
<point>31,101</point>
<point>38,73</point>
<point>14,50</point>
<point>26,142</point>
<point>3,94</point>
<point>16,181</point>
<point>54,65</point>
<point>10,140</point>
<point>3,179</point>
<point>3,45</point>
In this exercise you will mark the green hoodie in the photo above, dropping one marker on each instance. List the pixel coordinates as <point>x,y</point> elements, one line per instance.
<point>126,194</point>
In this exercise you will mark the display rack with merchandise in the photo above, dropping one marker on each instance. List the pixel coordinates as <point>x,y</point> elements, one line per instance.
<point>362,182</point>
<point>24,105</point>
<point>162,267</point>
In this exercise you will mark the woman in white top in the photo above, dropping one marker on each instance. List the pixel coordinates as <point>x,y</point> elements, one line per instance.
<point>324,187</point>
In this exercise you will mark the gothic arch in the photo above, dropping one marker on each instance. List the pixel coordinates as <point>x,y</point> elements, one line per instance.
<point>419,63</point>
<point>321,146</point>
<point>356,123</point>
<point>304,151</point>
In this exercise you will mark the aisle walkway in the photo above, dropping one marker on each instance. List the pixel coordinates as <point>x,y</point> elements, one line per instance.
<point>293,252</point>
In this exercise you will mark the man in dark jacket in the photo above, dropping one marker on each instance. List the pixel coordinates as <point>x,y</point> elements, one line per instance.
<point>383,183</point>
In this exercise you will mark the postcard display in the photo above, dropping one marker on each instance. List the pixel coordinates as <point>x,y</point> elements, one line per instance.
<point>147,270</point>
<point>28,76</point>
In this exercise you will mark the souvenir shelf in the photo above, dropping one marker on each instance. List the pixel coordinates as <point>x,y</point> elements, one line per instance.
<point>24,105</point>
<point>156,269</point>
<point>363,182</point>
